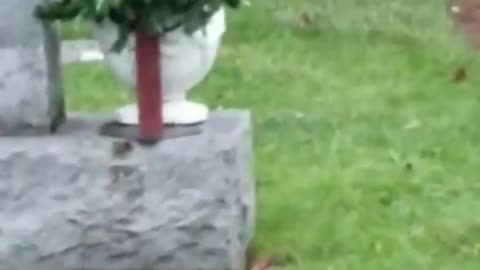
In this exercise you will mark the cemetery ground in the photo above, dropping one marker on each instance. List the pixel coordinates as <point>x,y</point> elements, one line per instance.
<point>366,130</point>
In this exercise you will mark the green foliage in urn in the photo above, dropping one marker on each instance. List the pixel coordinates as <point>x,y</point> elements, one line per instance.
<point>151,16</point>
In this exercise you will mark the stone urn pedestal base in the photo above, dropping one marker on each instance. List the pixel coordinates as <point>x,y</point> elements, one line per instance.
<point>80,201</point>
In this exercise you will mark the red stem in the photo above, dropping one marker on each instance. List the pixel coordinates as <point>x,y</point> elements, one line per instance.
<point>149,90</point>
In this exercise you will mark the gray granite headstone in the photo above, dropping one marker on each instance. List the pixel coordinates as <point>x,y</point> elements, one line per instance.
<point>31,100</point>
<point>79,201</point>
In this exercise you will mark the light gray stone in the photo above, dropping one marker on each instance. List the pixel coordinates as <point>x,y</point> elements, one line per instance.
<point>30,86</point>
<point>78,201</point>
<point>81,50</point>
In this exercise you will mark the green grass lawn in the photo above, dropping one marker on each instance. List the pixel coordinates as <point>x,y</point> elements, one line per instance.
<point>367,154</point>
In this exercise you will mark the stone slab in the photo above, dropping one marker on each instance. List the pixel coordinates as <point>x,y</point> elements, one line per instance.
<point>30,80</point>
<point>79,201</point>
<point>81,50</point>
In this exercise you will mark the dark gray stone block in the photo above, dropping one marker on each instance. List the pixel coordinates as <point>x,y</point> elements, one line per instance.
<point>78,201</point>
<point>30,86</point>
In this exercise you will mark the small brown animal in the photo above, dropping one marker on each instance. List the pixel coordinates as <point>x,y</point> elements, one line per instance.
<point>466,15</point>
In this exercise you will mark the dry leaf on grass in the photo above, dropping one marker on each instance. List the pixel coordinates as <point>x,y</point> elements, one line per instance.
<point>460,75</point>
<point>262,265</point>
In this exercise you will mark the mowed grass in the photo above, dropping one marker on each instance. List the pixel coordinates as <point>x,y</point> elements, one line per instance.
<point>367,154</point>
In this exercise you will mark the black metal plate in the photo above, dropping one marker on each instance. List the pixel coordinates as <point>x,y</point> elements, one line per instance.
<point>130,132</point>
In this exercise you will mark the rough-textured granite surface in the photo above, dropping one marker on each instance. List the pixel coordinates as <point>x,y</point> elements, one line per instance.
<point>30,86</point>
<point>77,201</point>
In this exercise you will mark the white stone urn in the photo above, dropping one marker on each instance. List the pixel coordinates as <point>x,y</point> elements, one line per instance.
<point>185,62</point>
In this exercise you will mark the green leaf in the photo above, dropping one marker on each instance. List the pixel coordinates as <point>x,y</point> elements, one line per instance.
<point>154,16</point>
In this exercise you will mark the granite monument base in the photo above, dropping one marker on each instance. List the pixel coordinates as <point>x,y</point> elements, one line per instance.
<point>79,201</point>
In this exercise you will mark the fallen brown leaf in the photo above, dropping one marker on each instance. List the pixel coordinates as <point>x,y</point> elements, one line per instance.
<point>460,75</point>
<point>307,19</point>
<point>262,265</point>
